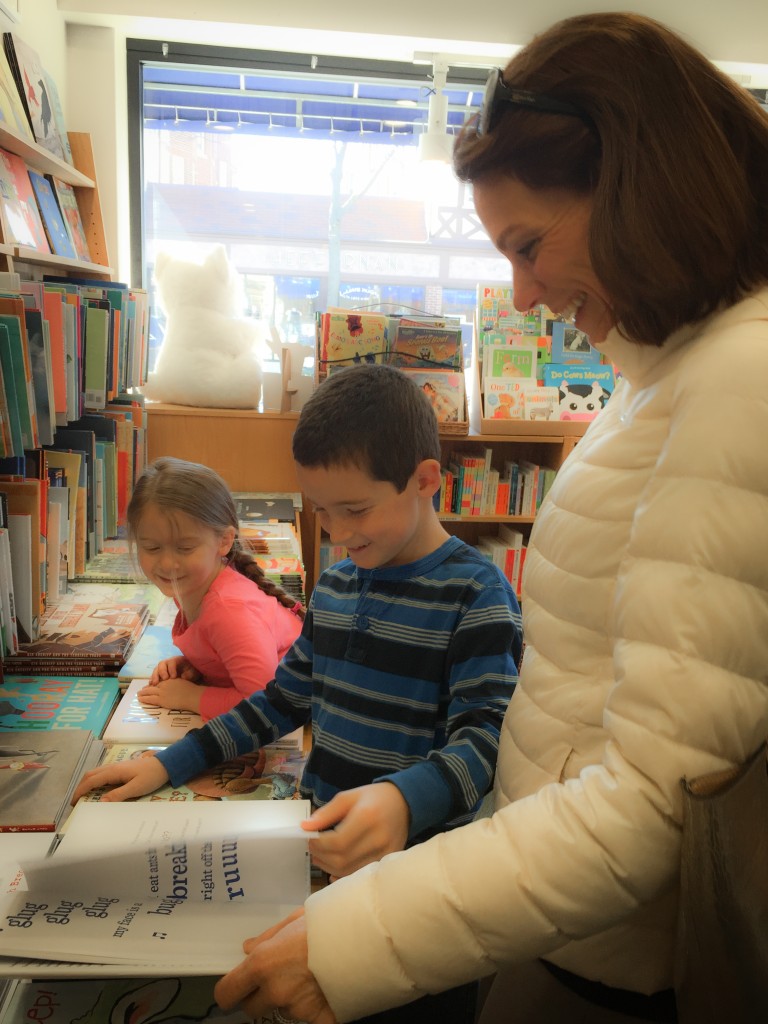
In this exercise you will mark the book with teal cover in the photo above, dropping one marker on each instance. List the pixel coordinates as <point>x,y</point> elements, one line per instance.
<point>57,702</point>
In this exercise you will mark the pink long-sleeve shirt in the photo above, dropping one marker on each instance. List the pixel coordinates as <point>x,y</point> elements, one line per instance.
<point>236,641</point>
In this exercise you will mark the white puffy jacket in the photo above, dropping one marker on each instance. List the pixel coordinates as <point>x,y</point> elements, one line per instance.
<point>646,621</point>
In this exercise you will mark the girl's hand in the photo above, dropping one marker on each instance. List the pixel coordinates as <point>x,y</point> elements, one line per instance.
<point>132,779</point>
<point>176,694</point>
<point>174,668</point>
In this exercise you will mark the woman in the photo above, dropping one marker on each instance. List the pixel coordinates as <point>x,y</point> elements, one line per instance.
<point>626,180</point>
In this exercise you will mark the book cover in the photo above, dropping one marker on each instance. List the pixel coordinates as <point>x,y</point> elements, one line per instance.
<point>445,391</point>
<point>32,83</point>
<point>110,1000</point>
<point>154,645</point>
<point>265,507</point>
<point>349,338</point>
<point>71,213</point>
<point>19,204</point>
<point>7,597</point>
<point>12,110</point>
<point>83,631</point>
<point>583,389</point>
<point>53,222</point>
<point>510,361</point>
<point>570,345</point>
<point>11,392</point>
<point>426,347</point>
<point>272,773</point>
<point>39,770</point>
<point>34,703</point>
<point>134,722</point>
<point>542,404</point>
<point>18,369</point>
<point>139,883</point>
<point>505,397</point>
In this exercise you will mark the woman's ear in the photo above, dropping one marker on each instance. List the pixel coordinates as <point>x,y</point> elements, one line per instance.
<point>428,477</point>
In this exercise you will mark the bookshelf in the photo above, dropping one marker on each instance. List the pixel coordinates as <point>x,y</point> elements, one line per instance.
<point>252,451</point>
<point>30,263</point>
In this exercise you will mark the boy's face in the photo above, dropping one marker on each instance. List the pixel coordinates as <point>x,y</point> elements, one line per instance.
<point>378,526</point>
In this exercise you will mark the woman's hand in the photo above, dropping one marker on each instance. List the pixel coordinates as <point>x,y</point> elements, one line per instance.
<point>275,973</point>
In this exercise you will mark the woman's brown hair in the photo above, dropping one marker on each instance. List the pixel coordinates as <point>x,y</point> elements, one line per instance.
<point>175,485</point>
<point>676,164</point>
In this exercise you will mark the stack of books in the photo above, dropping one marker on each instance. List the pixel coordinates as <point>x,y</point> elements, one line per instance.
<point>81,636</point>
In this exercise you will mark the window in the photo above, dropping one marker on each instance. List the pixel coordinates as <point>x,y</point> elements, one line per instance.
<point>308,170</point>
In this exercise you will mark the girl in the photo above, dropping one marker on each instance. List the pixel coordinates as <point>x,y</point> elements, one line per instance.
<point>233,625</point>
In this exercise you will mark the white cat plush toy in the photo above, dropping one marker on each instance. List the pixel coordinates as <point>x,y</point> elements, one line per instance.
<point>209,355</point>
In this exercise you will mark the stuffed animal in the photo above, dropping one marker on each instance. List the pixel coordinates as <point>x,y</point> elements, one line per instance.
<point>209,356</point>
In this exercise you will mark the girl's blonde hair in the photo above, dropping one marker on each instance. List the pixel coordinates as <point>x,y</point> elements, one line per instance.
<point>175,485</point>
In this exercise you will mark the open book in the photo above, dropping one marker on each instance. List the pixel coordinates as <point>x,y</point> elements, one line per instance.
<point>156,889</point>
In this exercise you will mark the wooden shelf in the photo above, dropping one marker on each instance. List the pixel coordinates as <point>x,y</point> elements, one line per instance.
<point>41,159</point>
<point>50,261</point>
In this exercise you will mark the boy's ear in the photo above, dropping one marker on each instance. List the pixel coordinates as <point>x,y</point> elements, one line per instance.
<point>428,477</point>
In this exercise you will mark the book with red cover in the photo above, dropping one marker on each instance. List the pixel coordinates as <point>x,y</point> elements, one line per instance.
<point>20,212</point>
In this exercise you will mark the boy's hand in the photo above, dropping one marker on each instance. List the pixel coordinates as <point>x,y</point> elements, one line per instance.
<point>364,824</point>
<point>132,778</point>
<point>275,973</point>
<point>173,668</point>
<point>175,694</point>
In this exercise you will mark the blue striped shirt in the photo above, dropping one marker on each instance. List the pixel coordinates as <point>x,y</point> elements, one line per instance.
<point>405,673</point>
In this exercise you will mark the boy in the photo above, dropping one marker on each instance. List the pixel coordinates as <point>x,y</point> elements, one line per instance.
<point>407,657</point>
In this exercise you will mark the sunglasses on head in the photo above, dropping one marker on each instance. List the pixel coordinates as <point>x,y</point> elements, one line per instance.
<point>498,95</point>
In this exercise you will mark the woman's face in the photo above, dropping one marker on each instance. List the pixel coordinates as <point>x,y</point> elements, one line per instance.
<point>544,234</point>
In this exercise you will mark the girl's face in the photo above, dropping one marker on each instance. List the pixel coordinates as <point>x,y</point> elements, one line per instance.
<point>544,235</point>
<point>180,555</point>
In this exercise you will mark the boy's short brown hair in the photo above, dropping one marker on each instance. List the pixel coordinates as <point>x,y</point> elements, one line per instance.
<point>370,416</point>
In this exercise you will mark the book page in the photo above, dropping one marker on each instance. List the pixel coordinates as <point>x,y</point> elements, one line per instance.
<point>174,883</point>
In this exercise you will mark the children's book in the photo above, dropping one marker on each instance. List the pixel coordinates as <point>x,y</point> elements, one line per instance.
<point>570,345</point>
<point>39,769</point>
<point>12,112</point>
<point>116,1000</point>
<point>58,237</point>
<point>83,633</point>
<point>583,390</point>
<point>134,722</point>
<point>34,88</point>
<point>20,210</point>
<point>426,347</point>
<point>271,773</point>
<point>71,213</point>
<point>154,645</point>
<point>504,398</point>
<point>517,360</point>
<point>56,702</point>
<point>542,404</point>
<point>347,338</point>
<point>139,884</point>
<point>445,391</point>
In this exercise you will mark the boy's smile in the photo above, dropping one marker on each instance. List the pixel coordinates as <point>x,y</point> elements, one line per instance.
<point>378,526</point>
